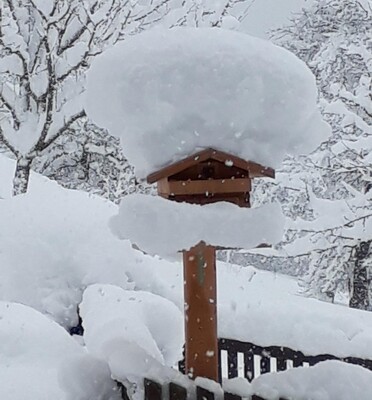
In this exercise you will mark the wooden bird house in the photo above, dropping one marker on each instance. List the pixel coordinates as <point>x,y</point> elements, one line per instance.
<point>209,176</point>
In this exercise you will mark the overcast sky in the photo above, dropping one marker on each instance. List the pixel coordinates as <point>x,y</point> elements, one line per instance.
<point>269,14</point>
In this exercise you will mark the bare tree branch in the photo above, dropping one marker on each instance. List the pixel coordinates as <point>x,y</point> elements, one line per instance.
<point>7,144</point>
<point>67,125</point>
<point>11,110</point>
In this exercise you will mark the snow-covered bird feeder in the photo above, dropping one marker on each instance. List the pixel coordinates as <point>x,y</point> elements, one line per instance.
<point>209,176</point>
<point>202,111</point>
<point>205,177</point>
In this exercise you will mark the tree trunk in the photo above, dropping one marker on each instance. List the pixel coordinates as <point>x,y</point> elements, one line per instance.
<point>21,176</point>
<point>360,282</point>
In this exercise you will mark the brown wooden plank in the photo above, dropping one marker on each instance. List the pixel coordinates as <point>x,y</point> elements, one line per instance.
<point>200,296</point>
<point>249,365</point>
<point>281,364</point>
<point>153,390</point>
<point>363,363</point>
<point>177,392</point>
<point>210,169</point>
<point>259,171</point>
<point>207,187</point>
<point>232,363</point>
<point>298,360</point>
<point>265,364</point>
<point>163,188</point>
<point>219,360</point>
<point>179,166</point>
<point>204,394</point>
<point>230,396</point>
<point>255,169</point>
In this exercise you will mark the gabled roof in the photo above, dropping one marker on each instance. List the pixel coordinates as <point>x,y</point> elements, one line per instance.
<point>255,170</point>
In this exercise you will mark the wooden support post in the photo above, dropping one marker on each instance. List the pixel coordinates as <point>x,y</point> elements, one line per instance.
<point>200,296</point>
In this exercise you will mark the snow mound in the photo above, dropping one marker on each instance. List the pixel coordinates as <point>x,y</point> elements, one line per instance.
<point>133,331</point>
<point>53,243</point>
<point>325,381</point>
<point>179,226</point>
<point>249,299</point>
<point>168,93</point>
<point>33,350</point>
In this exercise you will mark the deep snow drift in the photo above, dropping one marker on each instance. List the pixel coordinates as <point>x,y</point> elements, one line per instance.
<point>53,244</point>
<point>127,329</point>
<point>38,360</point>
<point>168,93</point>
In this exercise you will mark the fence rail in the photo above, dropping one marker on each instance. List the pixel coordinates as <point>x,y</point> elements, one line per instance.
<point>173,391</point>
<point>243,359</point>
<point>249,360</point>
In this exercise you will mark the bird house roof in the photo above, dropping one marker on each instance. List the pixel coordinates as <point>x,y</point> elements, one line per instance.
<point>254,170</point>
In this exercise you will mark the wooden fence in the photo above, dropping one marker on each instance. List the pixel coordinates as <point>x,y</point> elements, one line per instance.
<point>173,391</point>
<point>243,359</point>
<point>249,360</point>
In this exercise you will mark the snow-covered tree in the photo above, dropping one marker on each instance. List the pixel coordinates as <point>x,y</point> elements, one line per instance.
<point>331,187</point>
<point>90,160</point>
<point>45,50</point>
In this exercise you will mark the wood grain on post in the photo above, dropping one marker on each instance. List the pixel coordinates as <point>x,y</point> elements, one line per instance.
<point>200,296</point>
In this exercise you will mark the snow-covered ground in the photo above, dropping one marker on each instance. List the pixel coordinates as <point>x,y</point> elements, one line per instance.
<point>40,360</point>
<point>329,380</point>
<point>55,244</point>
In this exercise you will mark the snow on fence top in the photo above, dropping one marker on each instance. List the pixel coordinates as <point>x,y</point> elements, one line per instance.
<point>168,93</point>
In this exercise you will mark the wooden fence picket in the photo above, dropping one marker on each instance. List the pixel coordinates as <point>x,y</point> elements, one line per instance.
<point>177,392</point>
<point>204,394</point>
<point>232,363</point>
<point>230,396</point>
<point>268,356</point>
<point>153,390</point>
<point>279,354</point>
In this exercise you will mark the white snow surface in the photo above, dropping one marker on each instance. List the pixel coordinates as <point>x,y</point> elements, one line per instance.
<point>7,169</point>
<point>55,242</point>
<point>135,332</point>
<point>67,246</point>
<point>169,93</point>
<point>34,353</point>
<point>328,380</point>
<point>180,226</point>
<point>265,308</point>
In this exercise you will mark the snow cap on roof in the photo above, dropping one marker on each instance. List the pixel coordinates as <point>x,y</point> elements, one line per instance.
<point>170,93</point>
